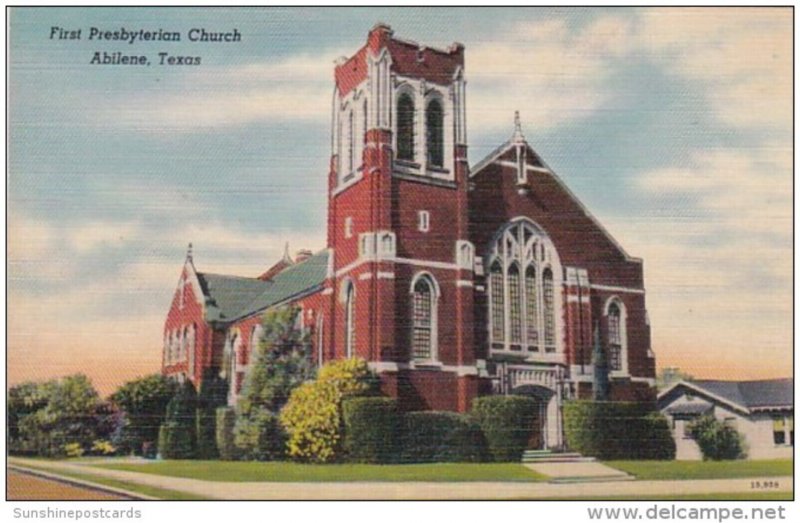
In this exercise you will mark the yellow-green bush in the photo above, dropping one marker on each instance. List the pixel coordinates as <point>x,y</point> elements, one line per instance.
<point>73,450</point>
<point>313,416</point>
<point>103,447</point>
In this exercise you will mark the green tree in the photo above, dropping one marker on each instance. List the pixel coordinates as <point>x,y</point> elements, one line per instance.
<point>177,436</point>
<point>281,363</point>
<point>144,401</point>
<point>212,395</point>
<point>22,400</point>
<point>72,415</point>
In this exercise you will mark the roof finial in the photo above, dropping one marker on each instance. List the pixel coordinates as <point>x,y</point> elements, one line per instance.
<point>189,253</point>
<point>286,256</point>
<point>518,136</point>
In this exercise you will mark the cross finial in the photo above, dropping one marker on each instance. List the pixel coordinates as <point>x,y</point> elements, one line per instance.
<point>286,253</point>
<point>189,252</point>
<point>518,136</point>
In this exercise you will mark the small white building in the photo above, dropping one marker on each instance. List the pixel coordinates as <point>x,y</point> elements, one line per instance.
<point>762,411</point>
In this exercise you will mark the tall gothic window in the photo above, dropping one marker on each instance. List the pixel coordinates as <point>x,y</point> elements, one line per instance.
<point>522,292</point>
<point>549,311</point>
<point>191,345</point>
<point>515,307</point>
<point>434,133</point>
<point>497,297</point>
<point>320,340</point>
<point>615,324</point>
<point>350,321</point>
<point>531,308</point>
<point>351,143</point>
<point>423,317</point>
<point>405,128</point>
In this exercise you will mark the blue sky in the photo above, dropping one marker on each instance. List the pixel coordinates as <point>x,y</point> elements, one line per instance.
<point>673,126</point>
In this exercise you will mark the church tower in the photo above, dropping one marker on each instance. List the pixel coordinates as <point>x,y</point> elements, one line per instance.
<point>401,262</point>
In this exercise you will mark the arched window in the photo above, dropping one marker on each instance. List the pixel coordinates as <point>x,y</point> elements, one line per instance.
<point>173,347</point>
<point>191,347</point>
<point>522,289</point>
<point>549,311</point>
<point>320,340</point>
<point>166,348</point>
<point>615,318</point>
<point>255,339</point>
<point>531,308</point>
<point>350,142</point>
<point>423,314</point>
<point>350,320</point>
<point>434,133</point>
<point>185,344</point>
<point>497,303</point>
<point>515,305</point>
<point>405,127</point>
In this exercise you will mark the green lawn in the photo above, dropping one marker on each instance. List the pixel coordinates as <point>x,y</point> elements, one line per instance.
<point>296,472</point>
<point>704,469</point>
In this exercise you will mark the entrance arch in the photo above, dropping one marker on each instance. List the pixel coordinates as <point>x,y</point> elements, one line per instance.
<point>543,417</point>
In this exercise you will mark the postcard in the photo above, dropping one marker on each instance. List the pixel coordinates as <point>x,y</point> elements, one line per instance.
<point>372,253</point>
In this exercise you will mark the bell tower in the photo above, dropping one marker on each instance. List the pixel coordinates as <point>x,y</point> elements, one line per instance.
<point>402,264</point>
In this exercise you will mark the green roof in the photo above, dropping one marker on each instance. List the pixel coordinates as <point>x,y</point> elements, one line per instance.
<point>230,298</point>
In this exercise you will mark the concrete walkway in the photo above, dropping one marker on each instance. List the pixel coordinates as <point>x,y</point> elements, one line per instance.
<point>413,490</point>
<point>575,471</point>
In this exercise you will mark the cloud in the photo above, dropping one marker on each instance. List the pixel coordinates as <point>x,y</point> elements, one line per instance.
<point>717,247</point>
<point>295,89</point>
<point>742,56</point>
<point>551,74</point>
<point>92,235</point>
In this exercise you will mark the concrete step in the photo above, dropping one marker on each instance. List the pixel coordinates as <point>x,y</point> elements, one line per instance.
<point>553,457</point>
<point>559,459</point>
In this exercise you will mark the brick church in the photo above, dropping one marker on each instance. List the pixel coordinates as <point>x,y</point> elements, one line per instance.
<point>451,280</point>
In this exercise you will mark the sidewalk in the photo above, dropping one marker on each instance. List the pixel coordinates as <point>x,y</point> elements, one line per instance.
<point>413,490</point>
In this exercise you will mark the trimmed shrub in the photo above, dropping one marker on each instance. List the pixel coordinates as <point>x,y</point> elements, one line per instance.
<point>213,394</point>
<point>259,436</point>
<point>226,420</point>
<point>176,437</point>
<point>371,429</point>
<point>717,440</point>
<point>617,430</point>
<point>507,424</point>
<point>657,442</point>
<point>312,416</point>
<point>429,437</point>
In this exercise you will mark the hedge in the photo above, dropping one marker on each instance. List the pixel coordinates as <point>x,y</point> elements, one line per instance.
<point>226,419</point>
<point>259,436</point>
<point>507,424</point>
<point>432,436</point>
<point>177,435</point>
<point>175,442</point>
<point>617,430</point>
<point>371,429</point>
<point>212,395</point>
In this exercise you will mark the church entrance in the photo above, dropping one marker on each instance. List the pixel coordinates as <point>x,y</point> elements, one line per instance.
<point>542,396</point>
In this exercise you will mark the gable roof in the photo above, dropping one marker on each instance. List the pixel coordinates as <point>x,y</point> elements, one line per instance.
<point>226,295</point>
<point>230,298</point>
<point>519,139</point>
<point>745,395</point>
<point>293,281</point>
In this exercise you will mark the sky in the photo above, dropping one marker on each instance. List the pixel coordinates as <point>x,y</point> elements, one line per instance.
<point>673,126</point>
